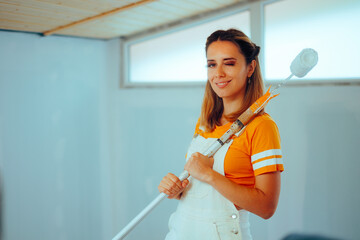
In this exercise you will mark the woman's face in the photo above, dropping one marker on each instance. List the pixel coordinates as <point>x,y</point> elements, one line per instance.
<point>227,70</point>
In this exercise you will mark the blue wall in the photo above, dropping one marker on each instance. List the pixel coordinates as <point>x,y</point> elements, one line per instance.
<point>49,136</point>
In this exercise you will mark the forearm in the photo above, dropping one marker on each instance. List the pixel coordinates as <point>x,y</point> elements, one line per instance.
<point>252,199</point>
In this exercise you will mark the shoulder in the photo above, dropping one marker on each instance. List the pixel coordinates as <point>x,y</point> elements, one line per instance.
<point>198,127</point>
<point>263,133</point>
<point>262,122</point>
<point>199,130</point>
<point>265,145</point>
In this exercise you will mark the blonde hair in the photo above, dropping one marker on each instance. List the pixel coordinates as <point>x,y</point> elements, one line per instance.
<point>212,106</point>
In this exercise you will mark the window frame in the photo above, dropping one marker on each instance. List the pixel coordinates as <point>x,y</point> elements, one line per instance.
<point>257,29</point>
<point>299,82</point>
<point>125,44</point>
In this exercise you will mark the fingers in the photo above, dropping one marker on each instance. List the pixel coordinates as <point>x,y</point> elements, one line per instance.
<point>200,166</point>
<point>198,159</point>
<point>185,183</point>
<point>211,161</point>
<point>197,155</point>
<point>171,185</point>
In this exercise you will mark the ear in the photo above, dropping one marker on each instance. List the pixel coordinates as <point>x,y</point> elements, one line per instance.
<point>251,68</point>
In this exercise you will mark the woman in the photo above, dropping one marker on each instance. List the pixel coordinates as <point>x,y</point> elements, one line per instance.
<point>244,175</point>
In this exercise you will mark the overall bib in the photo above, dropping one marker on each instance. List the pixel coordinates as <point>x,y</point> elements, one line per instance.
<point>203,213</point>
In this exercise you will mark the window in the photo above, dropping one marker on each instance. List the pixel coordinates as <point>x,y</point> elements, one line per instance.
<point>178,56</point>
<point>328,26</point>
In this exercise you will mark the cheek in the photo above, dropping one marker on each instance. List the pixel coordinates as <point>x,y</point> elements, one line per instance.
<point>211,78</point>
<point>212,84</point>
<point>210,73</point>
<point>241,75</point>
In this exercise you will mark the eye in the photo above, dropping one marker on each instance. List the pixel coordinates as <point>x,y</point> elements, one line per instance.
<point>211,65</point>
<point>230,63</point>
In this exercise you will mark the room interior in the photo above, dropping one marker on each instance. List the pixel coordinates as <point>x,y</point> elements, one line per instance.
<point>82,148</point>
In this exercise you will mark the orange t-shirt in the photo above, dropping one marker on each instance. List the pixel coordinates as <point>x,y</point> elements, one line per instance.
<point>256,151</point>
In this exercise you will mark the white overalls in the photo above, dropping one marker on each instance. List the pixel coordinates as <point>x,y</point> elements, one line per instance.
<point>203,213</point>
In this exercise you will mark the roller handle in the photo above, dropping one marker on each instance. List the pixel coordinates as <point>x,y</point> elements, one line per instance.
<point>184,175</point>
<point>131,225</point>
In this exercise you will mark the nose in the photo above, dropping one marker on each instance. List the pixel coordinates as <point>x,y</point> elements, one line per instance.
<point>220,71</point>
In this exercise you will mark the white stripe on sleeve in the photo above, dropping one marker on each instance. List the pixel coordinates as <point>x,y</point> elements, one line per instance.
<point>267,153</point>
<point>267,162</point>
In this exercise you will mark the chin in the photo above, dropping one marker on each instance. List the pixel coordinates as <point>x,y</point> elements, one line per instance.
<point>222,93</point>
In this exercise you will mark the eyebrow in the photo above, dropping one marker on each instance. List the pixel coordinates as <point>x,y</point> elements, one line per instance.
<point>225,59</point>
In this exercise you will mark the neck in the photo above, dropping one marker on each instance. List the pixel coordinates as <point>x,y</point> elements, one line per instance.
<point>230,106</point>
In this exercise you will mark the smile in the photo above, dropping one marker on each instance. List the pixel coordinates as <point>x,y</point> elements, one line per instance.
<point>222,84</point>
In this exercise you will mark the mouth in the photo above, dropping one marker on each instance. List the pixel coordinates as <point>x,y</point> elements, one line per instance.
<point>222,84</point>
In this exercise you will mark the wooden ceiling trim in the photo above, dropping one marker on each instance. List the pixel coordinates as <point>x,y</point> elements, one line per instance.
<point>101,15</point>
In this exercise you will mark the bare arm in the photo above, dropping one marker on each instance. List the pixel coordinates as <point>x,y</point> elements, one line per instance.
<point>261,200</point>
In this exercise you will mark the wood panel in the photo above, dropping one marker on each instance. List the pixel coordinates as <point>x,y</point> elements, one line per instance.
<point>98,16</point>
<point>95,19</point>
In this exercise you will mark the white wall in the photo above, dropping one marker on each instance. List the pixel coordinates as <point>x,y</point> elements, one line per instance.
<point>80,157</point>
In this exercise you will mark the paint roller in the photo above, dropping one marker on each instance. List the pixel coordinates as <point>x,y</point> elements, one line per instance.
<point>304,62</point>
<point>299,67</point>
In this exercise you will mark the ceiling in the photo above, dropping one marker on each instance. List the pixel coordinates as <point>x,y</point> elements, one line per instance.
<point>103,19</point>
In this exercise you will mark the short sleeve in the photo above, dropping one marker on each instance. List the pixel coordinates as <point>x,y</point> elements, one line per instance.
<point>266,155</point>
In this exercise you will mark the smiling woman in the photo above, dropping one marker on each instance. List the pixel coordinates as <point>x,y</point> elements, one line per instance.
<point>228,73</point>
<point>244,175</point>
<point>234,78</point>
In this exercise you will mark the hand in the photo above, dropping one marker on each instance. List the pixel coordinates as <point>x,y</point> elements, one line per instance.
<point>172,186</point>
<point>200,167</point>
